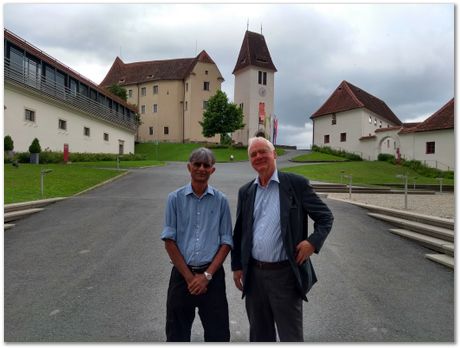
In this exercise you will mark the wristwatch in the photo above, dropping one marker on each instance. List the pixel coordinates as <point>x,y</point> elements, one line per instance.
<point>208,275</point>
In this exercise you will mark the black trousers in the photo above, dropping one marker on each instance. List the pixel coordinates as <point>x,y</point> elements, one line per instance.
<point>272,299</point>
<point>212,309</point>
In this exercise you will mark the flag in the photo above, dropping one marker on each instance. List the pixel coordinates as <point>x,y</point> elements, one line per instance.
<point>275,129</point>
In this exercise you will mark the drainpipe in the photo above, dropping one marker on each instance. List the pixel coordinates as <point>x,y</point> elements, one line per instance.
<point>183,115</point>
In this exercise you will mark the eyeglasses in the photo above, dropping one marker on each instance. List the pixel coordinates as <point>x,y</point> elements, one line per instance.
<point>199,164</point>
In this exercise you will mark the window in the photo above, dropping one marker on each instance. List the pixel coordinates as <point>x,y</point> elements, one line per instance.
<point>326,139</point>
<point>343,137</point>
<point>106,136</point>
<point>241,106</point>
<point>206,86</point>
<point>155,107</point>
<point>430,147</point>
<point>142,109</point>
<point>186,105</point>
<point>186,86</point>
<point>30,115</point>
<point>334,120</point>
<point>205,104</point>
<point>375,121</point>
<point>86,131</point>
<point>151,130</point>
<point>262,78</point>
<point>166,130</point>
<point>62,124</point>
<point>205,72</point>
<point>130,93</point>
<point>370,119</point>
<point>143,91</point>
<point>155,89</point>
<point>380,124</point>
<point>388,143</point>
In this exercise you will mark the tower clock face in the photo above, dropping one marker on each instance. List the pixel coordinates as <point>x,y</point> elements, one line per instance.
<point>262,91</point>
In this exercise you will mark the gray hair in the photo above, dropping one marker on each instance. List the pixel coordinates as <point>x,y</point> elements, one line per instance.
<point>261,139</point>
<point>202,154</point>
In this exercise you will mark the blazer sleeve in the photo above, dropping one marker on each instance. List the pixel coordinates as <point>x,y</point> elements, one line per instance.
<point>237,235</point>
<point>319,212</point>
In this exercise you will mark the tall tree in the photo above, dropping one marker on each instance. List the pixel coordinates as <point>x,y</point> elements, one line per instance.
<point>221,117</point>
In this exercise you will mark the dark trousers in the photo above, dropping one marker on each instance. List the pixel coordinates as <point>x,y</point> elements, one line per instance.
<point>212,309</point>
<point>273,299</point>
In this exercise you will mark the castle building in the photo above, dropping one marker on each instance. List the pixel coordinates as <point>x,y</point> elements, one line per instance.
<point>254,88</point>
<point>171,95</point>
<point>47,100</point>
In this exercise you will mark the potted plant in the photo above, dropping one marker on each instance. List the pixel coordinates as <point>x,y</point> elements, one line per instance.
<point>8,147</point>
<point>35,150</point>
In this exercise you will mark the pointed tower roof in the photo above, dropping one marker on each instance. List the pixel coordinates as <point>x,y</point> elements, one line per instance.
<point>441,119</point>
<point>137,72</point>
<point>254,51</point>
<point>348,97</point>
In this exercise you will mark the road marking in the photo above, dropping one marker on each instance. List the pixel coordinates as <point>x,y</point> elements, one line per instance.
<point>56,311</point>
<point>84,251</point>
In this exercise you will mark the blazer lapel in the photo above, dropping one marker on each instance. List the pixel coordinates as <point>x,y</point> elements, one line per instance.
<point>250,199</point>
<point>286,201</point>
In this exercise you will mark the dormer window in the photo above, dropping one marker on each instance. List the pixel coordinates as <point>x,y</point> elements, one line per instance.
<point>121,80</point>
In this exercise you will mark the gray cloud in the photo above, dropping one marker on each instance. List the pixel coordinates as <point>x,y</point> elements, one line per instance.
<point>401,53</point>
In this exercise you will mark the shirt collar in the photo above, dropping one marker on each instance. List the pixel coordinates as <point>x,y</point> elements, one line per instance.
<point>189,190</point>
<point>274,177</point>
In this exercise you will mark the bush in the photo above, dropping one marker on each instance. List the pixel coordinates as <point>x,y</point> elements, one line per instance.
<point>386,157</point>
<point>8,143</point>
<point>35,146</point>
<point>429,172</point>
<point>58,157</point>
<point>340,153</point>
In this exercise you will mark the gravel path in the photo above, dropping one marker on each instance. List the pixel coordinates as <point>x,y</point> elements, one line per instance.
<point>440,204</point>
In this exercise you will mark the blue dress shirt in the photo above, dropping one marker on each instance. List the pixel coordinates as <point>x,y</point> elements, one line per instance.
<point>268,244</point>
<point>199,225</point>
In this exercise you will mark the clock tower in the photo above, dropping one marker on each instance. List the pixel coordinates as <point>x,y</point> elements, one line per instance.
<point>254,88</point>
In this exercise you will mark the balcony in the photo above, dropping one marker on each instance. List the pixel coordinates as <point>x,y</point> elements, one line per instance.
<point>17,75</point>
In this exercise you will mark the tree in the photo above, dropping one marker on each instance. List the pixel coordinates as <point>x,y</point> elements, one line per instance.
<point>8,143</point>
<point>221,117</point>
<point>35,146</point>
<point>118,91</point>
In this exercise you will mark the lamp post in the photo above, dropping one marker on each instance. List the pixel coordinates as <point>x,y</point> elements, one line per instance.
<point>349,185</point>
<point>42,174</point>
<point>404,177</point>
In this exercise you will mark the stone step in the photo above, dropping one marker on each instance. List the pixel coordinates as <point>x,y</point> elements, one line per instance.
<point>444,260</point>
<point>430,230</point>
<point>8,226</point>
<point>427,241</point>
<point>16,215</point>
<point>32,204</point>
<point>407,215</point>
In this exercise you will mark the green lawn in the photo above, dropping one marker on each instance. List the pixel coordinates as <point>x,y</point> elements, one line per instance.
<point>23,183</point>
<point>318,157</point>
<point>181,152</point>
<point>363,173</point>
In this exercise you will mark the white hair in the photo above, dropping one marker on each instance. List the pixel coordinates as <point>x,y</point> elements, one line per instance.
<point>261,139</point>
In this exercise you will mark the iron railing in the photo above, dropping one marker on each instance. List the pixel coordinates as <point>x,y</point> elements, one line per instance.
<point>17,74</point>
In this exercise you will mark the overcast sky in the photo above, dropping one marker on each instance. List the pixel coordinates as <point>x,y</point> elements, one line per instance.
<point>400,53</point>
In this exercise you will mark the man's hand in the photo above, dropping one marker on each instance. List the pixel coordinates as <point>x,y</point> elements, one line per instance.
<point>238,279</point>
<point>198,285</point>
<point>303,251</point>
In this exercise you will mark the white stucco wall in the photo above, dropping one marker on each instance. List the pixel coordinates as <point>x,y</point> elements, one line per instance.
<point>247,92</point>
<point>45,127</point>
<point>413,146</point>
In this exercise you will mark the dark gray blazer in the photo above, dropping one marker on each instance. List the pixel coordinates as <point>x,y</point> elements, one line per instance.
<point>297,202</point>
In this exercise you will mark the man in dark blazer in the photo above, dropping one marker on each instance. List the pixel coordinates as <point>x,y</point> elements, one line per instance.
<point>271,255</point>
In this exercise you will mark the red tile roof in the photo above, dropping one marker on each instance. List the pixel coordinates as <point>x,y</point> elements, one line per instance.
<point>378,130</point>
<point>61,66</point>
<point>254,51</point>
<point>138,72</point>
<point>348,97</point>
<point>441,119</point>
<point>367,137</point>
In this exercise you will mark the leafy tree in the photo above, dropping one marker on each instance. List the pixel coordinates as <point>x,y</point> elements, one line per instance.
<point>35,146</point>
<point>118,91</point>
<point>221,117</point>
<point>8,143</point>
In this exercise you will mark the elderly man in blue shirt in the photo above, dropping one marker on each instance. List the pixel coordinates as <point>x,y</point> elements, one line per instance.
<point>198,237</point>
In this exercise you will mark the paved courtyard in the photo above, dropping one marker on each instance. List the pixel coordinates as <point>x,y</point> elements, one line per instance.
<point>92,268</point>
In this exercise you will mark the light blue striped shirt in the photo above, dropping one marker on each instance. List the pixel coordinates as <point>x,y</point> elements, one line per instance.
<point>199,226</point>
<point>267,242</point>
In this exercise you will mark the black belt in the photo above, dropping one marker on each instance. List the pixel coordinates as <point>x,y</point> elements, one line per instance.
<point>270,265</point>
<point>199,269</point>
